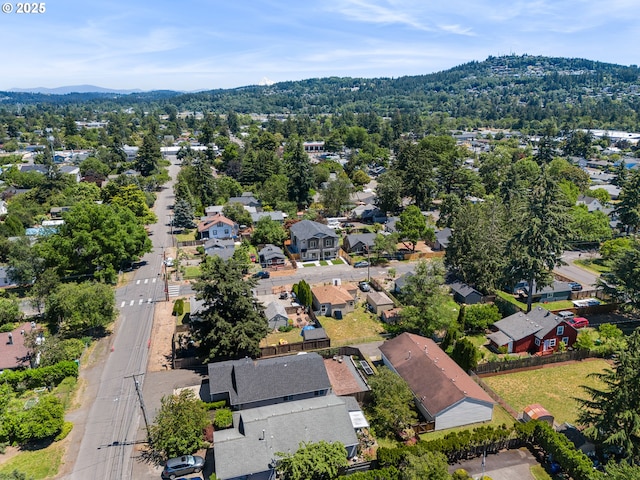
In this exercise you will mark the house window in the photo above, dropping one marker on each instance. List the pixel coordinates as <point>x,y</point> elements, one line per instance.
<point>317,393</point>
<point>565,340</point>
<point>328,242</point>
<point>323,309</point>
<point>560,330</point>
<point>226,231</point>
<point>313,244</point>
<point>537,342</point>
<point>215,232</point>
<point>552,342</point>
<point>288,398</point>
<point>219,224</point>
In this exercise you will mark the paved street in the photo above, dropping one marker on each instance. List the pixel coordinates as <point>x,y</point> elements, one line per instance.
<point>506,465</point>
<point>107,429</point>
<point>574,272</point>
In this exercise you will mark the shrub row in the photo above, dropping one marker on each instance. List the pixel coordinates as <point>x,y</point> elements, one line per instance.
<point>215,405</point>
<point>39,377</point>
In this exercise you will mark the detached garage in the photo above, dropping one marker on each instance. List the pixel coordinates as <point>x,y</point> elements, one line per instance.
<point>443,392</point>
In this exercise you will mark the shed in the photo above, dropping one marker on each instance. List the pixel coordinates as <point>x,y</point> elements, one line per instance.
<point>313,333</point>
<point>276,314</point>
<point>536,411</point>
<point>379,302</point>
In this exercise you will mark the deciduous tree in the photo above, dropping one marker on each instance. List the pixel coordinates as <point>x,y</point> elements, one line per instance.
<point>313,461</point>
<point>392,408</point>
<point>412,226</point>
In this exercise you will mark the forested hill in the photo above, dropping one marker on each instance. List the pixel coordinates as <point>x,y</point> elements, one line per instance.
<point>509,91</point>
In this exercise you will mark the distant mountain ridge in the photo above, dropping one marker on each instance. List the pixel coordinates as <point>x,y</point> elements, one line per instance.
<point>73,89</point>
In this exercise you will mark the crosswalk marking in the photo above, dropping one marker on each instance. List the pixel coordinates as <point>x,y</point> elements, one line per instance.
<point>122,304</point>
<point>148,300</point>
<point>146,280</point>
<point>131,303</point>
<point>174,290</point>
<point>140,302</point>
<point>137,282</point>
<point>153,280</point>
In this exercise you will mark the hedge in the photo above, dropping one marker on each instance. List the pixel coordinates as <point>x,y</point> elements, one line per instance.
<point>39,377</point>
<point>64,431</point>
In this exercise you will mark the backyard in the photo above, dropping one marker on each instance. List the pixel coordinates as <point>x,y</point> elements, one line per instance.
<point>358,326</point>
<point>500,417</point>
<point>553,387</point>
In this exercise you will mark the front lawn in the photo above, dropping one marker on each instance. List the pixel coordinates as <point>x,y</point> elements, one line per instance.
<point>191,271</point>
<point>42,463</point>
<point>553,387</point>
<point>358,326</point>
<point>186,236</point>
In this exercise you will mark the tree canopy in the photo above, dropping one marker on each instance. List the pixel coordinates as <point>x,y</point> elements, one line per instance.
<point>313,461</point>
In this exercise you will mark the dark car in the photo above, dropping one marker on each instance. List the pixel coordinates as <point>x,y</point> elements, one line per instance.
<point>575,286</point>
<point>361,264</point>
<point>184,465</point>
<point>364,286</point>
<point>262,274</point>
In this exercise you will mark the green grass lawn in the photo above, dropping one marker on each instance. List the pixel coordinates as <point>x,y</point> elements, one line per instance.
<point>360,326</point>
<point>186,236</point>
<point>273,338</point>
<point>43,463</point>
<point>192,271</point>
<point>553,387</point>
<point>539,473</point>
<point>596,266</point>
<point>500,417</point>
<point>337,261</point>
<point>559,305</point>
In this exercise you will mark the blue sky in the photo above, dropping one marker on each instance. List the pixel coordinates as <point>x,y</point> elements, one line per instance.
<point>206,44</point>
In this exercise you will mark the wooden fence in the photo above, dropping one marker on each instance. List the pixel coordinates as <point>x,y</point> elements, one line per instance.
<point>192,243</point>
<point>273,350</point>
<point>531,362</point>
<point>494,395</point>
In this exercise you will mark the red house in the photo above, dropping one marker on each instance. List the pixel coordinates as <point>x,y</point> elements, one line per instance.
<point>538,331</point>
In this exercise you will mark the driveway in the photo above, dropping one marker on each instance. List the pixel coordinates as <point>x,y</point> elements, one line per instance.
<point>506,465</point>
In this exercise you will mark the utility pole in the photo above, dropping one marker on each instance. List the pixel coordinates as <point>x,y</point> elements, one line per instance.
<point>144,410</point>
<point>166,275</point>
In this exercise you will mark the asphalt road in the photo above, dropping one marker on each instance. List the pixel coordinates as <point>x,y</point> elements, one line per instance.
<point>574,272</point>
<point>109,429</point>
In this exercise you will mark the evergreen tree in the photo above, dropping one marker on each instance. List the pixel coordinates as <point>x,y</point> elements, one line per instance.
<point>537,246</point>
<point>149,156</point>
<point>299,172</point>
<point>182,214</point>
<point>232,322</point>
<point>611,414</point>
<point>628,208</point>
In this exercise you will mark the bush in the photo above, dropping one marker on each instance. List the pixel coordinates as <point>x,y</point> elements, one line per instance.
<point>478,317</point>
<point>223,418</point>
<point>39,377</point>
<point>178,307</point>
<point>215,405</point>
<point>200,250</point>
<point>8,327</point>
<point>64,431</point>
<point>285,328</point>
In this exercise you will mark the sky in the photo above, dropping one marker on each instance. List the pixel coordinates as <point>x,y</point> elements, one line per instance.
<point>194,45</point>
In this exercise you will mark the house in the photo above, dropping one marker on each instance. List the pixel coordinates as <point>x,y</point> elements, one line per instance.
<point>13,351</point>
<point>271,256</point>
<point>442,239</point>
<point>379,302</point>
<point>390,224</point>
<point>329,299</point>
<point>276,314</point>
<point>213,210</point>
<point>71,170</point>
<point>391,316</point>
<point>358,242</point>
<point>218,226</point>
<point>215,247</point>
<point>442,391</point>
<point>550,293</point>
<point>373,214</point>
<point>248,450</point>
<point>313,147</point>
<point>276,216</point>
<point>313,241</point>
<point>248,383</point>
<point>56,212</point>
<point>246,200</point>
<point>538,331</point>
<point>593,204</point>
<point>463,293</point>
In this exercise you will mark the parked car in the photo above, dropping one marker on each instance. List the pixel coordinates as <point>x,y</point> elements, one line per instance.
<point>182,466</point>
<point>364,286</point>
<point>262,274</point>
<point>566,315</point>
<point>361,264</point>
<point>578,322</point>
<point>575,286</point>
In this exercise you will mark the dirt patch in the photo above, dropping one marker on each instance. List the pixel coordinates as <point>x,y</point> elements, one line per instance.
<point>164,324</point>
<point>9,453</point>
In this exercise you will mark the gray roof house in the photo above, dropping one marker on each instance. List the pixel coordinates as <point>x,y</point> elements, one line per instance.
<point>246,199</point>
<point>271,256</point>
<point>442,239</point>
<point>276,216</point>
<point>248,450</point>
<point>248,383</point>
<point>400,283</point>
<point>593,204</point>
<point>358,242</point>
<point>463,293</point>
<point>223,248</point>
<point>313,241</point>
<point>276,314</point>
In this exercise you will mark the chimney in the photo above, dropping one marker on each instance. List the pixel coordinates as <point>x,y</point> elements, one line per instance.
<point>10,342</point>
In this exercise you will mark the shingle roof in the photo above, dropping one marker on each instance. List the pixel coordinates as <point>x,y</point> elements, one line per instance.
<point>271,251</point>
<point>365,238</point>
<point>309,229</point>
<point>331,294</point>
<point>433,377</point>
<point>378,298</point>
<point>274,309</point>
<point>211,221</point>
<point>521,325</point>
<point>462,288</point>
<point>249,380</point>
<point>279,428</point>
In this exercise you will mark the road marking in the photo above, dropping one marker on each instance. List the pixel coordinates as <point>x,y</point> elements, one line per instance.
<point>137,282</point>
<point>140,302</point>
<point>131,303</point>
<point>153,281</point>
<point>148,300</point>
<point>122,304</point>
<point>174,290</point>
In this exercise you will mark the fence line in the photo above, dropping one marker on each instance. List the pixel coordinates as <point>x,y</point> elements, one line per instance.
<point>494,395</point>
<point>531,362</point>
